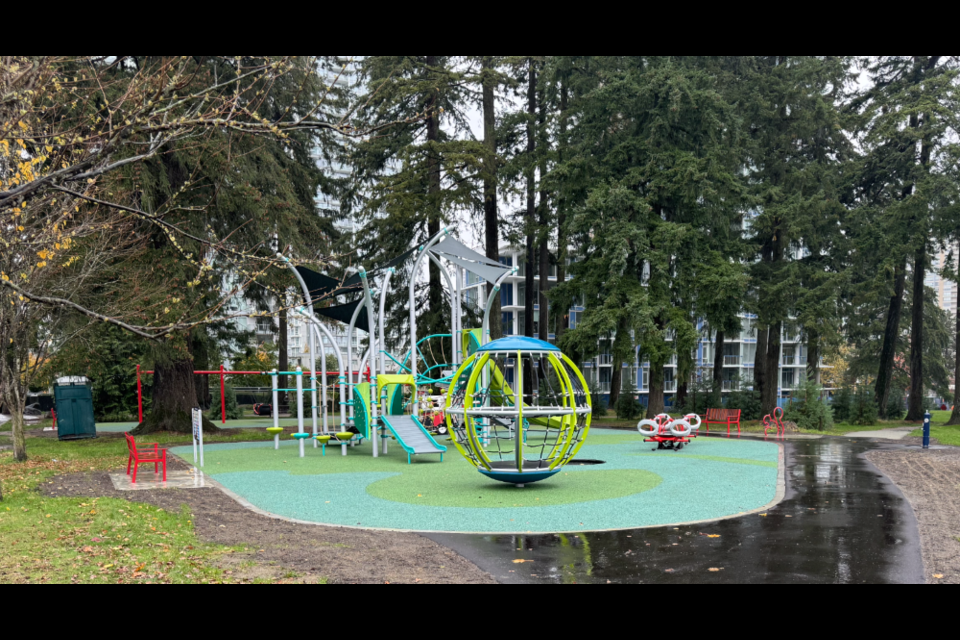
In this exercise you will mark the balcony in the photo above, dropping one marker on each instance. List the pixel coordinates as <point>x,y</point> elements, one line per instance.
<point>670,386</point>
<point>604,387</point>
<point>606,359</point>
<point>730,385</point>
<point>731,361</point>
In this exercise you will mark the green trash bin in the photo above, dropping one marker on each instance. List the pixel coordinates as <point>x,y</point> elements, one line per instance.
<point>75,419</point>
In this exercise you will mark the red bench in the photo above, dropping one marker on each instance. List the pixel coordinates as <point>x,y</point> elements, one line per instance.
<point>723,417</point>
<point>145,454</point>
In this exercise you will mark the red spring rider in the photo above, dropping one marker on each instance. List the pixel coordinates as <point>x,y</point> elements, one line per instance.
<point>775,422</point>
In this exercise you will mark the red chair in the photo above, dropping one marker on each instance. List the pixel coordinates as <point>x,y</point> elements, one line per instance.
<point>723,417</point>
<point>145,454</point>
<point>775,422</point>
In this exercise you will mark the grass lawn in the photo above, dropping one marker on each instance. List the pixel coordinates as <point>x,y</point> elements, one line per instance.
<point>64,540</point>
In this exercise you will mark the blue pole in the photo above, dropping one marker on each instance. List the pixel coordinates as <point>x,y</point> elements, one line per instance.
<point>926,430</point>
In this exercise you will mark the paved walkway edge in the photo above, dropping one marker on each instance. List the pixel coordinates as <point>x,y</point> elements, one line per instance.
<point>243,502</point>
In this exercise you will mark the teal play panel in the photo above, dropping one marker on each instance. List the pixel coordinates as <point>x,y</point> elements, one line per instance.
<point>710,480</point>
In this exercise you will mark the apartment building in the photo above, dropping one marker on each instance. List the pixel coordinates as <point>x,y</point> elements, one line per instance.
<point>739,352</point>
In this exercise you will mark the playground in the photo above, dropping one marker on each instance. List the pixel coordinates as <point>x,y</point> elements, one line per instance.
<point>634,488</point>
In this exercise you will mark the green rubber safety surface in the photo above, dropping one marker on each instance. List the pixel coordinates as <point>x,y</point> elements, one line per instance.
<point>462,486</point>
<point>710,479</point>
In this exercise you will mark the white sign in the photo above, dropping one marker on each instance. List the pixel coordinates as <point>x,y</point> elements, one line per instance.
<point>198,436</point>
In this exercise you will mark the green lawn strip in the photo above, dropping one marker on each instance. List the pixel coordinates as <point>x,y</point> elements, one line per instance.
<point>949,436</point>
<point>93,540</point>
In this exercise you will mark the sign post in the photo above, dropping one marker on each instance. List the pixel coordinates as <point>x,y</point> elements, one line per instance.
<point>198,436</point>
<point>926,430</point>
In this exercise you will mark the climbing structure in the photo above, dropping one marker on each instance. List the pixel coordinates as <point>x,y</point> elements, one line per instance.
<point>525,432</point>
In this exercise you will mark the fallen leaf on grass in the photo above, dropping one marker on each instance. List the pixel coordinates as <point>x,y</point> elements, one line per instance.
<point>713,537</point>
<point>521,561</point>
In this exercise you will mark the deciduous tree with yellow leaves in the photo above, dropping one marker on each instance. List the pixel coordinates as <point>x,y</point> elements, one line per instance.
<point>76,135</point>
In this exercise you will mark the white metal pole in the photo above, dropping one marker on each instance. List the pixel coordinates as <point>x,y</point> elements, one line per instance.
<point>196,459</point>
<point>350,331</point>
<point>413,312</point>
<point>374,420</point>
<point>324,411</point>
<point>201,440</point>
<point>319,326</point>
<point>383,331</point>
<point>274,378</point>
<point>300,407</point>
<point>458,320</point>
<point>313,382</point>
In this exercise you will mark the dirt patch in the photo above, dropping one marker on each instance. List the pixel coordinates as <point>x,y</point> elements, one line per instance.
<point>931,482</point>
<point>292,552</point>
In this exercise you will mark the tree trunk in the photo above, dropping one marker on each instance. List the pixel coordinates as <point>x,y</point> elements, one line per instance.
<point>562,241</point>
<point>434,187</point>
<point>18,431</point>
<point>718,363</point>
<point>813,359</point>
<point>955,417</point>
<point>616,382</point>
<point>891,335</point>
<point>771,389</point>
<point>760,361</point>
<point>200,350</point>
<point>916,341</point>
<point>656,404</point>
<point>284,357</point>
<point>490,170</point>
<point>531,202</point>
<point>174,397</point>
<point>544,235</point>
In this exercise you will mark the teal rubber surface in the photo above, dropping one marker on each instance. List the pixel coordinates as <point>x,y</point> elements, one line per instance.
<point>710,480</point>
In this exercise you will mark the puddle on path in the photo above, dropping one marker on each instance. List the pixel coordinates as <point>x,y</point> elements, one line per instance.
<point>841,522</point>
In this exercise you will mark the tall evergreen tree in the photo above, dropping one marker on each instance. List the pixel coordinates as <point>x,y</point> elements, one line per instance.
<point>659,139</point>
<point>411,183</point>
<point>790,104</point>
<point>909,124</point>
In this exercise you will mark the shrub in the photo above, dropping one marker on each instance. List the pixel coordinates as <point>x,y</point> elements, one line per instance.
<point>841,404</point>
<point>628,408</point>
<point>808,408</point>
<point>896,409</point>
<point>748,402</point>
<point>863,407</point>
<point>599,408</point>
<point>234,412</point>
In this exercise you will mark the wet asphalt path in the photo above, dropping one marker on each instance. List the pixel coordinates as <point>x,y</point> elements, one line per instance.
<point>842,522</point>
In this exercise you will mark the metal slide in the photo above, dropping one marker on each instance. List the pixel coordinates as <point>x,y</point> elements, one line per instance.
<point>412,437</point>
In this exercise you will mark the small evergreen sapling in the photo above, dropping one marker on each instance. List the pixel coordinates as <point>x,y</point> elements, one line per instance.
<point>809,410</point>
<point>234,412</point>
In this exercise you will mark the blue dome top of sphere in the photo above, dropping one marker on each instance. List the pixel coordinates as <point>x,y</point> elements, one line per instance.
<point>519,343</point>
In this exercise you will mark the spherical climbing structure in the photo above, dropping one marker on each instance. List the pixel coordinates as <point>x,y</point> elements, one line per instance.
<point>518,410</point>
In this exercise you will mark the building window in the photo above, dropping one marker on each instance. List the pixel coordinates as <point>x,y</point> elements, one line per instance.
<point>749,353</point>
<point>574,319</point>
<point>789,378</point>
<point>506,295</point>
<point>472,298</point>
<point>265,326</point>
<point>506,261</point>
<point>731,355</point>
<point>508,324</point>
